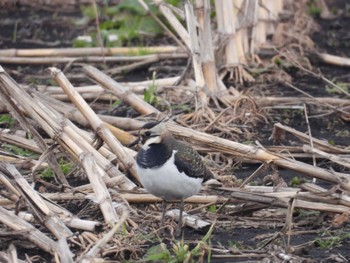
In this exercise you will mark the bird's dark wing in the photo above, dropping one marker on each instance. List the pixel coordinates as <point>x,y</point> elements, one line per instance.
<point>190,162</point>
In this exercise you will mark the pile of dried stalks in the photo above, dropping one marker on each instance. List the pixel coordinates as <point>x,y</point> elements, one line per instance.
<point>116,226</point>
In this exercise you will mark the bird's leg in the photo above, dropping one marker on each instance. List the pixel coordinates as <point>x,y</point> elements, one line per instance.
<point>179,225</point>
<point>163,213</point>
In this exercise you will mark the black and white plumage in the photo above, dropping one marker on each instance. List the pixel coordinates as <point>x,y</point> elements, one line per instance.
<point>168,168</point>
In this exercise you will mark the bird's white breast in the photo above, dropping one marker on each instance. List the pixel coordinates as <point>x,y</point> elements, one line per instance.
<point>167,182</point>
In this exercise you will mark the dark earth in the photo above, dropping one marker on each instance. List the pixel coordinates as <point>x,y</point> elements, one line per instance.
<point>50,28</point>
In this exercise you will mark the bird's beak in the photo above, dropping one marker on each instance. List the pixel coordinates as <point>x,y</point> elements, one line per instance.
<point>134,142</point>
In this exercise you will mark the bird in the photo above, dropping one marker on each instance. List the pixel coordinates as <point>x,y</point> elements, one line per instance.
<point>169,168</point>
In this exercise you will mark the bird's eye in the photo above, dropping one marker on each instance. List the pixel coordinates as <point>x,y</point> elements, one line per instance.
<point>148,133</point>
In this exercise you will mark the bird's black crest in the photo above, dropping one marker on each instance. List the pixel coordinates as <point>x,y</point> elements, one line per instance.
<point>150,125</point>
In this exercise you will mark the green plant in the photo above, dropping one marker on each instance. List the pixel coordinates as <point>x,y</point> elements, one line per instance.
<point>277,61</point>
<point>295,181</point>
<point>47,173</point>
<point>253,183</point>
<point>65,166</point>
<point>182,107</point>
<point>18,150</point>
<point>313,9</point>
<point>179,251</point>
<point>149,94</point>
<point>328,243</point>
<point>234,245</point>
<point>203,245</point>
<point>173,2</point>
<point>122,23</point>
<point>332,241</point>
<point>302,213</point>
<point>331,142</point>
<point>7,119</point>
<point>116,103</point>
<point>341,86</point>
<point>158,253</point>
<point>342,133</point>
<point>141,51</point>
<point>83,41</point>
<point>212,209</point>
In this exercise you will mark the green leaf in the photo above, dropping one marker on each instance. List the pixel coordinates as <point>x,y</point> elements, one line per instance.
<point>149,94</point>
<point>47,173</point>
<point>313,9</point>
<point>113,39</point>
<point>89,11</point>
<point>149,25</point>
<point>18,150</point>
<point>6,118</point>
<point>158,253</point>
<point>133,6</point>
<point>79,42</point>
<point>110,24</point>
<point>173,2</point>
<point>212,209</point>
<point>295,181</point>
<point>83,21</point>
<point>112,10</point>
<point>128,19</point>
<point>116,103</point>
<point>65,166</point>
<point>277,61</point>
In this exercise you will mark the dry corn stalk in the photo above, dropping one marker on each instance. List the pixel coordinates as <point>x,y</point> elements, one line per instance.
<point>122,93</point>
<point>251,152</point>
<point>166,10</point>
<point>136,87</point>
<point>5,93</point>
<point>56,126</point>
<point>100,128</point>
<point>41,210</point>
<point>75,115</point>
<point>89,59</point>
<point>60,52</point>
<point>195,46</point>
<point>206,47</point>
<point>33,234</point>
<point>101,192</point>
<point>232,40</point>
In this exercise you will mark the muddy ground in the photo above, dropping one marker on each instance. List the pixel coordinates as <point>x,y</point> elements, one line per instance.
<point>21,27</point>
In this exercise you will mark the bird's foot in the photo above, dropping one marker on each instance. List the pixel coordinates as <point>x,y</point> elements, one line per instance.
<point>179,229</point>
<point>178,232</point>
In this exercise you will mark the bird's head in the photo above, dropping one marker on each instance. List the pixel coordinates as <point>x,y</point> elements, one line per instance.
<point>151,133</point>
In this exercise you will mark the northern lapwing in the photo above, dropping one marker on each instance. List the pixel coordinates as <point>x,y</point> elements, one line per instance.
<point>168,168</point>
